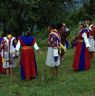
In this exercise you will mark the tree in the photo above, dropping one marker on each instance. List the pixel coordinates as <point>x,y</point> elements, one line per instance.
<point>22,14</point>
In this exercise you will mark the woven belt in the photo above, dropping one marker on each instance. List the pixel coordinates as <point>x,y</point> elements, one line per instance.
<point>26,47</point>
<point>80,40</point>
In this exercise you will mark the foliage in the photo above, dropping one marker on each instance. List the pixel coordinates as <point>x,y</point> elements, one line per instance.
<point>23,14</point>
<point>35,15</point>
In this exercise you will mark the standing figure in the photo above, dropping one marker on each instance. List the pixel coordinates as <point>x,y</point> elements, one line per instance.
<point>53,58</point>
<point>28,67</point>
<point>91,28</point>
<point>74,42</point>
<point>8,52</point>
<point>81,57</point>
<point>64,32</point>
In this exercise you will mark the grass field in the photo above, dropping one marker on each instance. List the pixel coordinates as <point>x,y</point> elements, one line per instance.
<point>68,83</point>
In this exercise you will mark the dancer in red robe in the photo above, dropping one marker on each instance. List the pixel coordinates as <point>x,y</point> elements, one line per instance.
<point>81,57</point>
<point>28,66</point>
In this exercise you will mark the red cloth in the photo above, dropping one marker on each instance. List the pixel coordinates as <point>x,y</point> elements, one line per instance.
<point>87,59</point>
<point>28,62</point>
<point>77,56</point>
<point>92,32</point>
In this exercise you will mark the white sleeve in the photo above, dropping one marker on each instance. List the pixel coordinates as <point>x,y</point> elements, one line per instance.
<point>86,40</point>
<point>36,46</point>
<point>18,46</point>
<point>55,52</point>
<point>67,29</point>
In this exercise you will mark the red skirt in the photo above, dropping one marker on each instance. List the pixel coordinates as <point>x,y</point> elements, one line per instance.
<point>81,57</point>
<point>28,63</point>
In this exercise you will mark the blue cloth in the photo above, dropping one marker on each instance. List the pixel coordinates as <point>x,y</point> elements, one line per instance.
<point>1,39</point>
<point>82,55</point>
<point>22,75</point>
<point>22,72</point>
<point>84,30</point>
<point>67,44</point>
<point>28,40</point>
<point>82,58</point>
<point>55,58</point>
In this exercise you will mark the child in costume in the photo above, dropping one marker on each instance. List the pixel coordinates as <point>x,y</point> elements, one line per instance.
<point>8,50</point>
<point>53,58</point>
<point>64,32</point>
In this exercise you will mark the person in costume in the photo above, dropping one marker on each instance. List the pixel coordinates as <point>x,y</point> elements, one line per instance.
<point>91,28</point>
<point>74,42</point>
<point>8,51</point>
<point>64,32</point>
<point>67,44</point>
<point>53,58</point>
<point>28,67</point>
<point>81,57</point>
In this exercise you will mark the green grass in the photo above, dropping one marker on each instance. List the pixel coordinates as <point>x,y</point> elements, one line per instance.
<point>68,83</point>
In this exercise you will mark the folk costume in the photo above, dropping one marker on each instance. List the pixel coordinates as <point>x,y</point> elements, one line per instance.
<point>64,33</point>
<point>81,57</point>
<point>54,40</point>
<point>91,29</point>
<point>8,53</point>
<point>28,68</point>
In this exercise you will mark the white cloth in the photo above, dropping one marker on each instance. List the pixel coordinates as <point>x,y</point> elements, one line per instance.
<point>67,30</point>
<point>11,51</point>
<point>86,40</point>
<point>55,52</point>
<point>90,27</point>
<point>6,63</point>
<point>19,44</point>
<point>36,46</point>
<point>17,48</point>
<point>50,58</point>
<point>92,43</point>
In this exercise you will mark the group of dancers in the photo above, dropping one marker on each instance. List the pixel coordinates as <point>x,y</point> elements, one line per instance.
<point>10,47</point>
<point>84,50</point>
